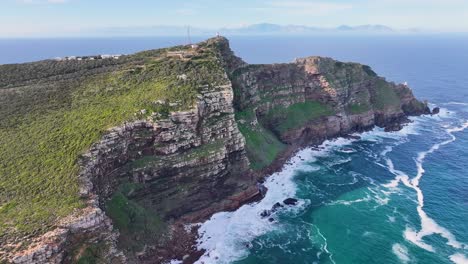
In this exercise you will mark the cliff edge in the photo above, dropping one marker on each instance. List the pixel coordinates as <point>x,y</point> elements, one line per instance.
<point>109,160</point>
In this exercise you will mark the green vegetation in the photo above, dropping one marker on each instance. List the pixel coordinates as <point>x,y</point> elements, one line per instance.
<point>39,157</point>
<point>88,254</point>
<point>88,257</point>
<point>296,115</point>
<point>144,161</point>
<point>385,96</point>
<point>45,125</point>
<point>262,146</point>
<point>203,151</point>
<point>358,108</point>
<point>369,71</point>
<point>136,224</point>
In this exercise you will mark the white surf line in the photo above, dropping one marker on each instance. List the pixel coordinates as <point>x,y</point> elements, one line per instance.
<point>459,258</point>
<point>428,225</point>
<point>456,103</point>
<point>401,252</point>
<point>325,245</point>
<point>347,202</point>
<point>225,235</point>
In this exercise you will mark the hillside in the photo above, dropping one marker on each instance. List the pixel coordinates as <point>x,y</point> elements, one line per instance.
<point>104,159</point>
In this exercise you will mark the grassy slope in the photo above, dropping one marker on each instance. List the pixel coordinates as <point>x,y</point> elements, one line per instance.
<point>136,224</point>
<point>385,96</point>
<point>296,115</point>
<point>358,108</point>
<point>44,127</point>
<point>261,144</point>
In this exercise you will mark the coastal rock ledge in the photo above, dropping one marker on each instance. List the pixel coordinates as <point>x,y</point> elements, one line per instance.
<point>196,147</point>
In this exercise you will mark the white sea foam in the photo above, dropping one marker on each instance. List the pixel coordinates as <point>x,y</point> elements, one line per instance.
<point>459,258</point>
<point>308,168</point>
<point>325,245</point>
<point>401,252</point>
<point>443,113</point>
<point>347,150</point>
<point>381,201</point>
<point>225,236</point>
<point>428,225</point>
<point>400,176</point>
<point>337,161</point>
<point>412,236</point>
<point>354,181</point>
<point>456,103</point>
<point>461,106</point>
<point>377,134</point>
<point>347,202</point>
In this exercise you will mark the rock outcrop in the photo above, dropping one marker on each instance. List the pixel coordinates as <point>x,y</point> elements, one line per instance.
<point>151,174</point>
<point>316,98</point>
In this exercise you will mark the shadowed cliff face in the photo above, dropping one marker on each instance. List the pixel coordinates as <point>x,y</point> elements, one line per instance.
<point>207,119</point>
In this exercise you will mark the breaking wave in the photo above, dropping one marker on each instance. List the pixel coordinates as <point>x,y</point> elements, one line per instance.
<point>226,236</point>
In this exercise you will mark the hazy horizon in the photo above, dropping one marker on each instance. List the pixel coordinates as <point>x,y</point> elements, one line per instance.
<point>80,18</point>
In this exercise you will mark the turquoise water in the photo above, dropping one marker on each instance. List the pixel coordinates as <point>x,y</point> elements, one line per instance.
<point>353,212</point>
<point>358,200</point>
<point>386,198</point>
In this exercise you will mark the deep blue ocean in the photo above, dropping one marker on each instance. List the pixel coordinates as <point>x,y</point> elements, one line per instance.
<point>398,197</point>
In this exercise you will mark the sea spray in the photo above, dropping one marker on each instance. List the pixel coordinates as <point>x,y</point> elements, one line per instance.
<point>226,236</point>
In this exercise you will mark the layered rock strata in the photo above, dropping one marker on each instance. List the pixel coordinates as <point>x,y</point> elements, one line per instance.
<point>145,176</point>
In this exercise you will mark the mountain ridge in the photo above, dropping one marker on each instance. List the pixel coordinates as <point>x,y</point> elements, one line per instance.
<point>253,29</point>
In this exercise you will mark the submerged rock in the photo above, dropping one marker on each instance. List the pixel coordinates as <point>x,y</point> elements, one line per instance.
<point>265,213</point>
<point>290,201</point>
<point>276,206</point>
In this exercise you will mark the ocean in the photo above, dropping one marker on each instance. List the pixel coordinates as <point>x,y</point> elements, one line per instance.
<point>399,197</point>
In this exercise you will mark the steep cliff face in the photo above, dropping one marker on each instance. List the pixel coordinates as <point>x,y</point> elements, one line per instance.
<point>176,152</point>
<point>149,173</point>
<point>188,125</point>
<point>313,99</point>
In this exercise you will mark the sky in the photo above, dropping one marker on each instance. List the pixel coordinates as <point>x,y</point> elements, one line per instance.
<point>49,18</point>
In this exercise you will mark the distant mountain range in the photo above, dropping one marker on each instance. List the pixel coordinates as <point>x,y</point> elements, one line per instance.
<point>254,29</point>
<point>266,28</point>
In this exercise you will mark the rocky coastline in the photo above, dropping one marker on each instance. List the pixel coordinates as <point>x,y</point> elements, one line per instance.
<point>147,182</point>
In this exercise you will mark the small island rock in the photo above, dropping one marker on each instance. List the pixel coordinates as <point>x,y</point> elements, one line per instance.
<point>290,201</point>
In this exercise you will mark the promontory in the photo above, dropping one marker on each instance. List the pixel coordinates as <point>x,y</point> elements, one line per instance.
<point>109,160</point>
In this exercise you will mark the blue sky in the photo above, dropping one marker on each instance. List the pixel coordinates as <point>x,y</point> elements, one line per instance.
<point>42,18</point>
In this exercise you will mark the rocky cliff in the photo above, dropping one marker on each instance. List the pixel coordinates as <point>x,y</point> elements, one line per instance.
<point>187,131</point>
<point>313,99</point>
